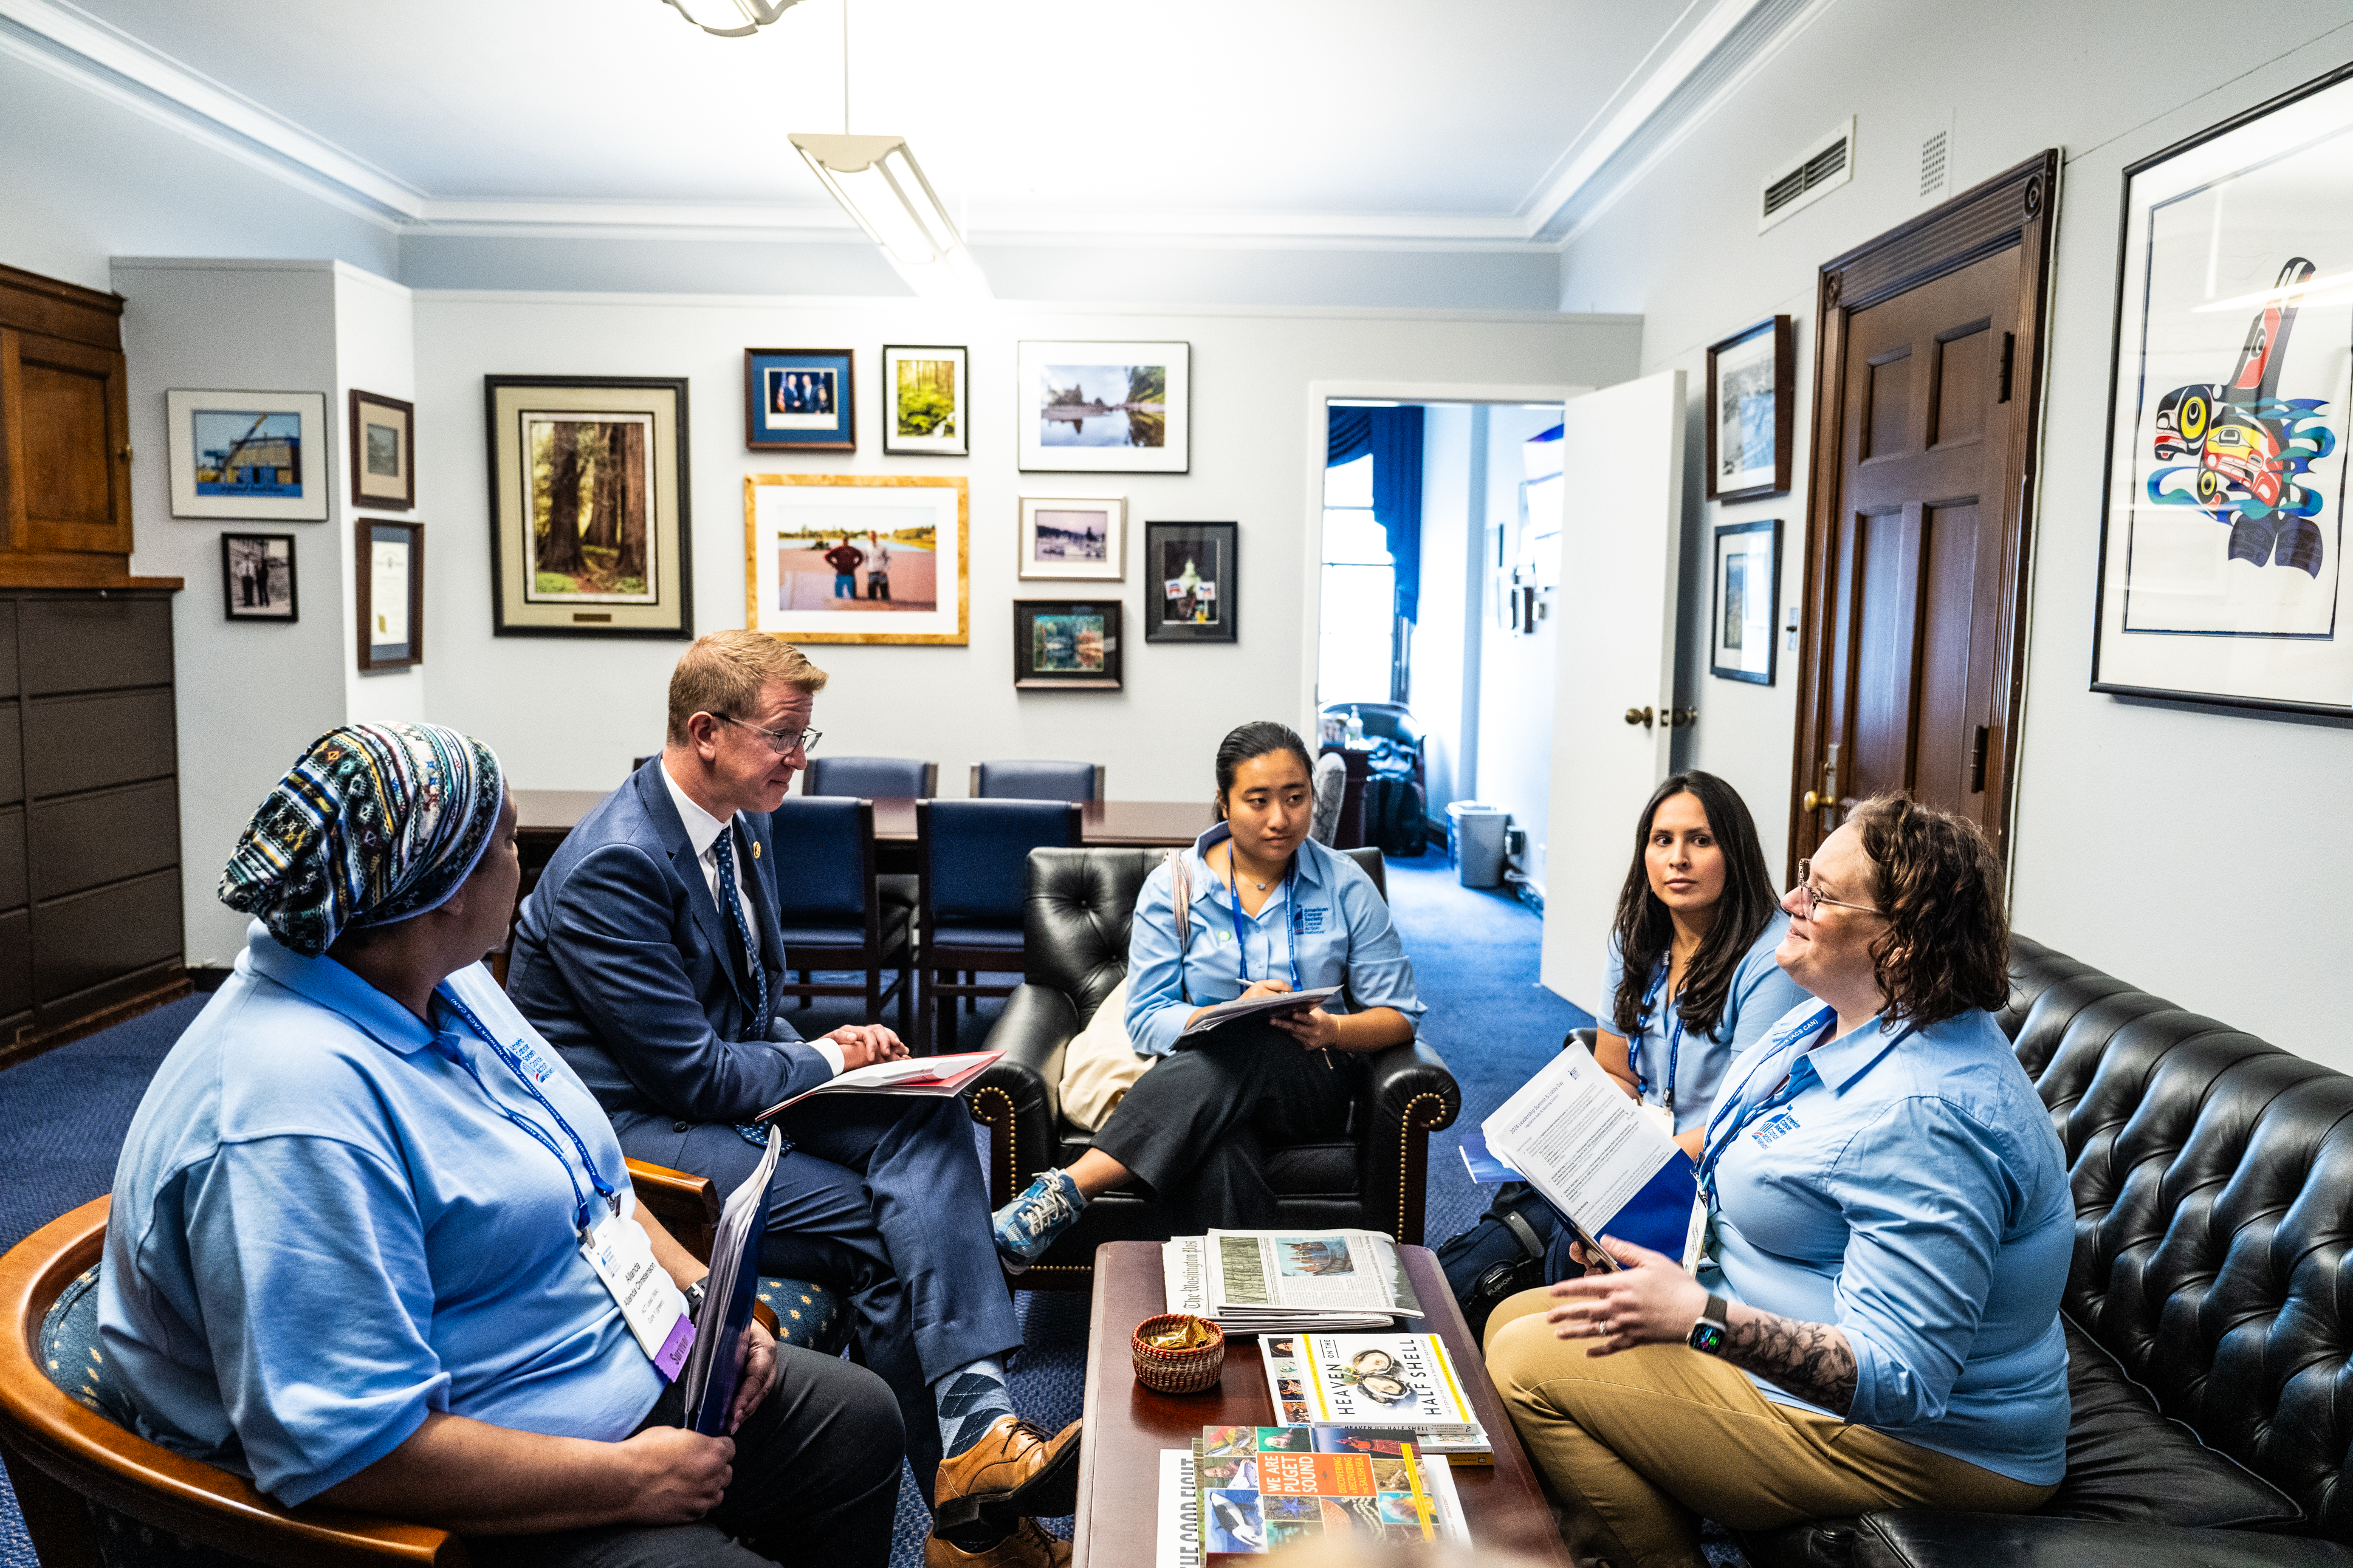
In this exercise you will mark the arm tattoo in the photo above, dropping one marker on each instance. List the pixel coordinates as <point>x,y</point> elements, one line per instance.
<point>1812,1361</point>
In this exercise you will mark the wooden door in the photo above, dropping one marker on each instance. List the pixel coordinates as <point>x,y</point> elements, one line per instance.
<point>1925,412</point>
<point>67,418</point>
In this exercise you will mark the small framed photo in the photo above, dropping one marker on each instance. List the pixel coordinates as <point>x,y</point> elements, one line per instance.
<point>927,413</point>
<point>389,562</point>
<point>1751,412</point>
<point>384,467</point>
<point>1074,538</point>
<point>1189,576</point>
<point>800,400</point>
<point>257,578</point>
<point>1062,645</point>
<point>1105,408</point>
<point>256,454</point>
<point>1747,584</point>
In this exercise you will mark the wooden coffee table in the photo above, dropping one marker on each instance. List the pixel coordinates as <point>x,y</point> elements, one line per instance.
<point>1127,1424</point>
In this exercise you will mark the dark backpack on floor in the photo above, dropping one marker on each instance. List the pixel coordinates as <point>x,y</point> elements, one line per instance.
<point>1394,818</point>
<point>1501,1255</point>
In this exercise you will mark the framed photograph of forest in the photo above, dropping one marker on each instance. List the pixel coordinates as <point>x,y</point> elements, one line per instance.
<point>926,409</point>
<point>589,531</point>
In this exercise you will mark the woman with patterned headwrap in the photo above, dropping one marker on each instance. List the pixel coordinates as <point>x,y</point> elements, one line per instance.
<point>350,1248</point>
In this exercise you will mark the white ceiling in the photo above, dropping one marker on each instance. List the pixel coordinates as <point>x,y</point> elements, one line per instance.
<point>1363,118</point>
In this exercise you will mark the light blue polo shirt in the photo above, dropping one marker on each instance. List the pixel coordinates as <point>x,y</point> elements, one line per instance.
<point>1329,920</point>
<point>1907,1188</point>
<point>322,1231</point>
<point>1760,993</point>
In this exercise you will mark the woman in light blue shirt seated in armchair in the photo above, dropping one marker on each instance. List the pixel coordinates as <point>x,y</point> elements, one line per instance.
<point>1266,910</point>
<point>1876,1322</point>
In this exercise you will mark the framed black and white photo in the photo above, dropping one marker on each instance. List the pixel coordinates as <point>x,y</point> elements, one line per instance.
<point>1751,412</point>
<point>383,435</point>
<point>926,410</point>
<point>2223,573</point>
<point>1747,577</point>
<point>1075,538</point>
<point>1105,408</point>
<point>259,455</point>
<point>800,400</point>
<point>257,578</point>
<point>388,564</point>
<point>1189,577</point>
<point>1065,645</point>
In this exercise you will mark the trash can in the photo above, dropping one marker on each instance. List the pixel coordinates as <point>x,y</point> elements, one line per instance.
<point>1476,835</point>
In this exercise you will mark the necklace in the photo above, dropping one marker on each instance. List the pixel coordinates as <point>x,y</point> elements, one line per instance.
<point>1234,864</point>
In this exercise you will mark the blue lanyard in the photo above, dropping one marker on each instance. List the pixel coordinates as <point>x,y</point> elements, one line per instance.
<point>1674,1031</point>
<point>595,1178</point>
<point>1290,921</point>
<point>1734,1114</point>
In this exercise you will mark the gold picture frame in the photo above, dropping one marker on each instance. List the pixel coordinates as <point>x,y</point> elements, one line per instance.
<point>881,581</point>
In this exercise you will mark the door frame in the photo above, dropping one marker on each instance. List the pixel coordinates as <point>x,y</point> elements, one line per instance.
<point>2016,207</point>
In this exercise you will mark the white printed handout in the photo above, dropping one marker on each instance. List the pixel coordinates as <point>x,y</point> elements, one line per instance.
<point>1577,1138</point>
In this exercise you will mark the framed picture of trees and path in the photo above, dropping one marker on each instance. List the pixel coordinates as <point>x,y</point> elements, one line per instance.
<point>589,531</point>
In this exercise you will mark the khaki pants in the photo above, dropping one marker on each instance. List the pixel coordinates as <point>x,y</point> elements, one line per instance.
<point>1640,1444</point>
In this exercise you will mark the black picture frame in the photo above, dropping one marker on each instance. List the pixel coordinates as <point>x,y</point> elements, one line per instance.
<point>246,595</point>
<point>385,649</point>
<point>1223,540</point>
<point>1735,630</point>
<point>518,606</point>
<point>372,490</point>
<point>1743,346</point>
<point>771,395</point>
<point>1103,671</point>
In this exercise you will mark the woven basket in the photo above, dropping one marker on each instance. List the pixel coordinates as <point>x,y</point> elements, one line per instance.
<point>1177,1371</point>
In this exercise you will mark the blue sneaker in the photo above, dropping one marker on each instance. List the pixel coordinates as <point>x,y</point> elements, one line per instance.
<point>1028,1226</point>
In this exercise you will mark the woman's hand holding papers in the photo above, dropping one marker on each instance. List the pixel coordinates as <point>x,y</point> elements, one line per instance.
<point>1651,1300</point>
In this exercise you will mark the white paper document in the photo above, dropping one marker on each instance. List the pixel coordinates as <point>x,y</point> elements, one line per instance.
<point>1576,1137</point>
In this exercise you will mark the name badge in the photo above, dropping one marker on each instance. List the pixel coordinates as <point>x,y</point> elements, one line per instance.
<point>655,1308</point>
<point>1777,1126</point>
<point>1658,1116</point>
<point>1312,921</point>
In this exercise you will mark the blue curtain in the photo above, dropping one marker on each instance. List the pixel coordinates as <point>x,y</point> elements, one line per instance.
<point>1393,436</point>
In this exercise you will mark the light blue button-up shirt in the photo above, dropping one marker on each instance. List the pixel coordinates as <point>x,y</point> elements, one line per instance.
<point>1328,920</point>
<point>322,1231</point>
<point>1908,1188</point>
<point>1760,993</point>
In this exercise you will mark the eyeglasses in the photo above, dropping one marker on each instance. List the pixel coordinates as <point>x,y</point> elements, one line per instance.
<point>780,741</point>
<point>1814,900</point>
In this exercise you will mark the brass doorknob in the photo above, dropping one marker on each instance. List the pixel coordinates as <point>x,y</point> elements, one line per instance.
<point>1680,717</point>
<point>1814,801</point>
<point>1639,716</point>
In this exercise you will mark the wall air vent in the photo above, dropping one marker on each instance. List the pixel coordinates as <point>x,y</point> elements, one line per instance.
<point>1933,153</point>
<point>1809,176</point>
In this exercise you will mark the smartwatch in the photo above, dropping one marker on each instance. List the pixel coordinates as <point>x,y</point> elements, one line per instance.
<point>1707,1334</point>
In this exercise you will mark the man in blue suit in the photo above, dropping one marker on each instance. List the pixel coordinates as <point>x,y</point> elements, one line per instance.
<point>648,955</point>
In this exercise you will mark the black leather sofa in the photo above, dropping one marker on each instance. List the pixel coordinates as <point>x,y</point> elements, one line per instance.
<point>1075,929</point>
<point>2209,1312</point>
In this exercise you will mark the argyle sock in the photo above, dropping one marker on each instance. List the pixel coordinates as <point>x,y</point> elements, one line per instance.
<point>971,1400</point>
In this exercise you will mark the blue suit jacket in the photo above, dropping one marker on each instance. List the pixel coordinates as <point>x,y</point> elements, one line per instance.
<point>622,959</point>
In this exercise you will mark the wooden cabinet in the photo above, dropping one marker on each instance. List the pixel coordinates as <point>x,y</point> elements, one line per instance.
<point>65,435</point>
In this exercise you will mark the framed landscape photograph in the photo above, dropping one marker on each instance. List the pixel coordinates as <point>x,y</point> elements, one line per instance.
<point>261,456</point>
<point>388,559</point>
<point>1752,412</point>
<point>1105,408</point>
<point>1748,580</point>
<point>926,412</point>
<point>1062,645</point>
<point>382,437</point>
<point>800,400</point>
<point>589,531</point>
<point>2223,573</point>
<point>257,578</point>
<point>859,558</point>
<point>1069,537</point>
<point>1189,573</point>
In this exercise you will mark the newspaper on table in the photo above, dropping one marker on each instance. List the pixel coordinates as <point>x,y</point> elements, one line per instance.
<point>712,1366</point>
<point>1572,1134</point>
<point>1177,1539</point>
<point>1276,1281</point>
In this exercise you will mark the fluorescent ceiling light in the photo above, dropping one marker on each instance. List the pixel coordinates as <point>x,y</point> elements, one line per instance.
<point>731,18</point>
<point>877,181</point>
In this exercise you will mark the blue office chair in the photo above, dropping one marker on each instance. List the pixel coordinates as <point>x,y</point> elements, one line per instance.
<point>1036,780</point>
<point>973,857</point>
<point>871,776</point>
<point>829,915</point>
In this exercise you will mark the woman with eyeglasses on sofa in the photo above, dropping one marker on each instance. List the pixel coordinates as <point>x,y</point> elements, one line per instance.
<point>1266,911</point>
<point>1876,1322</point>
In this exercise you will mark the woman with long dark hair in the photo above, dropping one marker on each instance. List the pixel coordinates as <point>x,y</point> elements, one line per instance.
<point>1255,907</point>
<point>1691,982</point>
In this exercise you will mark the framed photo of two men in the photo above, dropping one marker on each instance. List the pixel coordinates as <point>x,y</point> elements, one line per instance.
<point>800,400</point>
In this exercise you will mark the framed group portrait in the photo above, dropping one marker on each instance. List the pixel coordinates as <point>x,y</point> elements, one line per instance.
<point>1105,408</point>
<point>1189,577</point>
<point>383,437</point>
<point>1064,645</point>
<point>928,410</point>
<point>257,580</point>
<point>2222,574</point>
<point>589,533</point>
<point>260,456</point>
<point>1074,538</point>
<point>800,400</point>
<point>1747,585</point>
<point>1752,411</point>
<point>856,558</point>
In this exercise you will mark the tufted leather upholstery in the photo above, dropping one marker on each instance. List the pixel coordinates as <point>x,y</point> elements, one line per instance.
<point>1080,906</point>
<point>2214,1184</point>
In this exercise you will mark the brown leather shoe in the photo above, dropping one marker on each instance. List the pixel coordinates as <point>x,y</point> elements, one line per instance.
<point>1013,1472</point>
<point>1027,1547</point>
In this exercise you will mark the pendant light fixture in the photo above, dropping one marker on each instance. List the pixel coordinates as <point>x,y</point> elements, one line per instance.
<point>731,18</point>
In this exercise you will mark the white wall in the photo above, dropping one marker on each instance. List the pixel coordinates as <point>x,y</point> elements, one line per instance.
<point>1448,611</point>
<point>1516,671</point>
<point>571,713</point>
<point>2128,850</point>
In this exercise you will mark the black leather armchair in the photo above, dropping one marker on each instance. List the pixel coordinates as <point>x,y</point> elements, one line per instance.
<point>2209,1312</point>
<point>1076,925</point>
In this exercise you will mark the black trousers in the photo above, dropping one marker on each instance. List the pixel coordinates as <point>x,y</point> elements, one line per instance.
<point>1196,1130</point>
